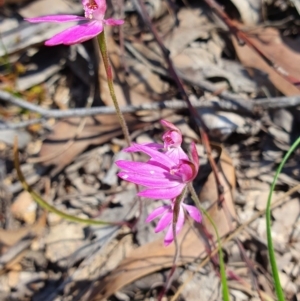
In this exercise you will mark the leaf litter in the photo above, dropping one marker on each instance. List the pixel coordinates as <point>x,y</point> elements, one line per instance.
<point>43,257</point>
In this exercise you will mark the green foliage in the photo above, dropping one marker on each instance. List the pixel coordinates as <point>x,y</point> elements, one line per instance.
<point>278,287</point>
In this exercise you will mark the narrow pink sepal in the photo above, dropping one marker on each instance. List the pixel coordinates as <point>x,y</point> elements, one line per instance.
<point>195,158</point>
<point>157,212</point>
<point>76,34</point>
<point>147,181</point>
<point>153,145</point>
<point>169,125</point>
<point>193,212</point>
<point>56,19</point>
<point>143,168</point>
<point>169,236</point>
<point>162,193</point>
<point>113,22</point>
<point>154,154</point>
<point>177,153</point>
<point>180,219</point>
<point>164,222</point>
<point>180,222</point>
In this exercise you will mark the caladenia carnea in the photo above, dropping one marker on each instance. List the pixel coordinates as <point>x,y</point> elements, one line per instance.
<point>91,25</point>
<point>168,213</point>
<point>165,175</point>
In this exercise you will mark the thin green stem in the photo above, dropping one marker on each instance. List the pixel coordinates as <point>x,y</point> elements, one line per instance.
<point>278,287</point>
<point>108,69</point>
<point>225,290</point>
<point>43,203</point>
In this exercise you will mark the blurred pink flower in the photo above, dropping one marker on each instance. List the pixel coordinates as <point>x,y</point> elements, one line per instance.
<point>90,25</point>
<point>166,212</point>
<point>164,176</point>
<point>172,139</point>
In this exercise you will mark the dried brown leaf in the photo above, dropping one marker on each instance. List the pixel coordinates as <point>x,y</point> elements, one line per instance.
<point>10,237</point>
<point>268,42</point>
<point>98,129</point>
<point>24,208</point>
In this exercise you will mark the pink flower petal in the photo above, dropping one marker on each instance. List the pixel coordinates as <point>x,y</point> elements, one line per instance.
<point>145,180</point>
<point>165,221</point>
<point>76,34</point>
<point>101,5</point>
<point>143,168</point>
<point>154,154</point>
<point>193,212</point>
<point>162,193</point>
<point>113,22</point>
<point>94,8</point>
<point>172,138</point>
<point>153,145</point>
<point>195,158</point>
<point>177,154</point>
<point>157,212</point>
<point>180,219</point>
<point>187,170</point>
<point>56,19</point>
<point>169,236</point>
<point>169,125</point>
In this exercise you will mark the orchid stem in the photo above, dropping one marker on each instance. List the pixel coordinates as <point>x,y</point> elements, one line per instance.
<point>225,290</point>
<point>108,69</point>
<point>39,200</point>
<point>178,200</point>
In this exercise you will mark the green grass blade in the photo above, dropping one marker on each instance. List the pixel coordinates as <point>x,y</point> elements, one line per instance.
<point>278,287</point>
<point>44,204</point>
<point>225,290</point>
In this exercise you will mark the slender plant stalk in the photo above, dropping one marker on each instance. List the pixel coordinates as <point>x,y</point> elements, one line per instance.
<point>225,290</point>
<point>178,200</point>
<point>43,203</point>
<point>278,287</point>
<point>110,82</point>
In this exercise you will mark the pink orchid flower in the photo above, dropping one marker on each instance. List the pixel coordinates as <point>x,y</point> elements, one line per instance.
<point>164,176</point>
<point>172,139</point>
<point>90,25</point>
<point>166,212</point>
